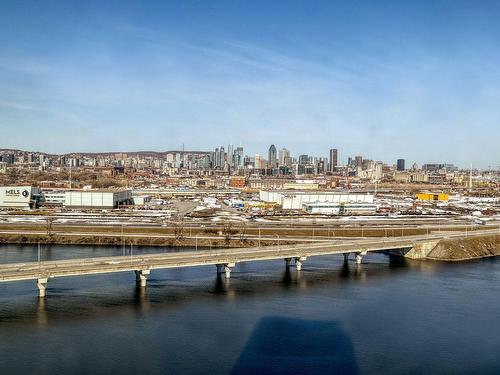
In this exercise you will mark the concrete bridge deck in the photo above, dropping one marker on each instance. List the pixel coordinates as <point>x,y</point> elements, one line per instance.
<point>224,259</point>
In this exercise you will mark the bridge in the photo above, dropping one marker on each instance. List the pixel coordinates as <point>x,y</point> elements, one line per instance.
<point>223,259</point>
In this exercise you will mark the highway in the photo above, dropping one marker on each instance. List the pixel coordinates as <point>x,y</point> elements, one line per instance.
<point>224,259</point>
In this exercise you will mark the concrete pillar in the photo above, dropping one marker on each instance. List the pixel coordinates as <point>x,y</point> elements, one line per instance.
<point>359,256</point>
<point>225,268</point>
<point>42,286</point>
<point>288,261</point>
<point>141,276</point>
<point>346,257</point>
<point>298,262</point>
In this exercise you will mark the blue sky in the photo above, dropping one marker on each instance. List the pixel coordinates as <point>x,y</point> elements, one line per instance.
<point>417,80</point>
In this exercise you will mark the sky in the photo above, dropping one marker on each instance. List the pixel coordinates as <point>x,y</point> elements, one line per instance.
<point>418,80</point>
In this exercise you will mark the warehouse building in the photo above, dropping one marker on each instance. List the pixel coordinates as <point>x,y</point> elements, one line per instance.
<point>99,199</point>
<point>329,208</point>
<point>296,200</point>
<point>22,197</point>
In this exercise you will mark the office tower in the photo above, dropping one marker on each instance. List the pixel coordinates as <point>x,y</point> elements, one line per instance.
<point>222,157</point>
<point>303,159</point>
<point>358,161</point>
<point>230,155</point>
<point>238,159</point>
<point>273,159</point>
<point>401,164</point>
<point>216,158</point>
<point>333,159</point>
<point>257,162</point>
<point>283,156</point>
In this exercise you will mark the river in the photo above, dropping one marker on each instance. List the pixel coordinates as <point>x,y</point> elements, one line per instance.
<point>387,316</point>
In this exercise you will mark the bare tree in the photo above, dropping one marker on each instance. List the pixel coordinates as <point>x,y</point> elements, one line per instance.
<point>178,229</point>
<point>50,221</point>
<point>228,231</point>
<point>242,231</point>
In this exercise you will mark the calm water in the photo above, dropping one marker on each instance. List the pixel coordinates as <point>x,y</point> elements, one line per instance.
<point>388,316</point>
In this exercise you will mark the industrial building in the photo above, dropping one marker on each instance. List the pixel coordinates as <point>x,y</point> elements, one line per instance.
<point>330,208</point>
<point>141,200</point>
<point>22,197</point>
<point>295,200</point>
<point>101,199</point>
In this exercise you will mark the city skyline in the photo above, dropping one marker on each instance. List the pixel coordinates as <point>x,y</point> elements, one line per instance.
<point>350,75</point>
<point>237,156</point>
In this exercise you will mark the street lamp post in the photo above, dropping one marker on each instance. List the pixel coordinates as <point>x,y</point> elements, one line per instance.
<point>123,241</point>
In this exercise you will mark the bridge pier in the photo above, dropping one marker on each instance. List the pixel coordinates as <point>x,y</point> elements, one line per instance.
<point>42,286</point>
<point>288,262</point>
<point>346,257</point>
<point>359,256</point>
<point>225,268</point>
<point>141,277</point>
<point>298,262</point>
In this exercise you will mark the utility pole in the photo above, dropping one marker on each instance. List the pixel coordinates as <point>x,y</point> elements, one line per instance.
<point>470,178</point>
<point>123,241</point>
<point>70,175</point>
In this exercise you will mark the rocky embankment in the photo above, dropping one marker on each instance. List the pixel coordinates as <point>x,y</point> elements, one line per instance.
<point>466,248</point>
<point>26,239</point>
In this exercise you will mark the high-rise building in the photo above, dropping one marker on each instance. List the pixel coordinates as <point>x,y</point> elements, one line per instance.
<point>222,157</point>
<point>358,161</point>
<point>273,157</point>
<point>230,155</point>
<point>238,159</point>
<point>216,158</point>
<point>333,159</point>
<point>257,162</point>
<point>303,159</point>
<point>400,165</point>
<point>283,156</point>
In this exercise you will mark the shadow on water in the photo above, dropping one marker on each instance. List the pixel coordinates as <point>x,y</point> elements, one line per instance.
<point>220,285</point>
<point>287,277</point>
<point>281,345</point>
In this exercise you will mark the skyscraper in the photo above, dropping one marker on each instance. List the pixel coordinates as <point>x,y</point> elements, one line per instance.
<point>257,162</point>
<point>222,157</point>
<point>238,159</point>
<point>283,156</point>
<point>230,155</point>
<point>401,165</point>
<point>333,159</point>
<point>273,159</point>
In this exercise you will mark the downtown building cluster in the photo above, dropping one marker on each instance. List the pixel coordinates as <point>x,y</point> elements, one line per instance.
<point>228,166</point>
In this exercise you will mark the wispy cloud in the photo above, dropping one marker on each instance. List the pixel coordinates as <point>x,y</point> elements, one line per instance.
<point>21,106</point>
<point>25,65</point>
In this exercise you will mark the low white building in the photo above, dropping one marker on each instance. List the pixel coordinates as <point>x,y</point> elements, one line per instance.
<point>330,208</point>
<point>324,208</point>
<point>23,197</point>
<point>100,199</point>
<point>296,200</point>
<point>141,200</point>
